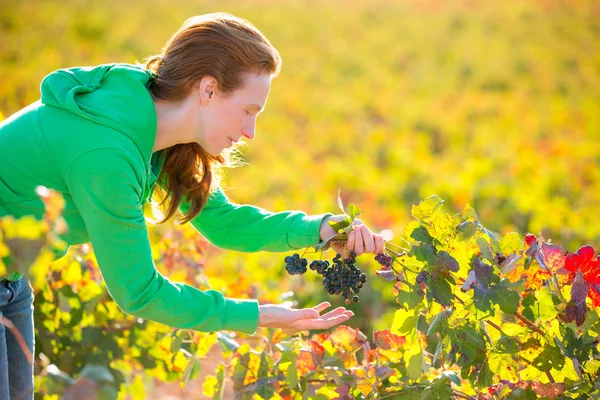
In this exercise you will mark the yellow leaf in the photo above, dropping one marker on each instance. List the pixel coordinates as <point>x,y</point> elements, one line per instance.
<point>28,227</point>
<point>73,272</point>
<point>208,387</point>
<point>89,291</point>
<point>180,362</point>
<point>568,371</point>
<point>329,392</point>
<point>137,388</point>
<point>405,322</point>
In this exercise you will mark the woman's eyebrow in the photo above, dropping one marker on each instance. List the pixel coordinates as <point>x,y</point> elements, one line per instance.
<point>256,106</point>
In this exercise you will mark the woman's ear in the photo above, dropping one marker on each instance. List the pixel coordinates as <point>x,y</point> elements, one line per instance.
<point>206,89</point>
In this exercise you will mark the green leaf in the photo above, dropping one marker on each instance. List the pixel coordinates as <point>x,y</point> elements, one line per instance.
<point>440,289</point>
<point>192,366</point>
<point>546,311</point>
<point>405,322</point>
<point>177,341</point>
<point>263,369</point>
<point>427,209</point>
<point>548,359</point>
<point>415,366</point>
<point>439,389</point>
<point>340,225</point>
<point>438,320</point>
<point>265,390</point>
<point>340,204</point>
<point>438,351</point>
<point>484,247</point>
<point>530,307</point>
<point>240,370</point>
<point>424,253</point>
<point>226,342</point>
<point>522,394</point>
<point>410,298</point>
<point>292,373</point>
<point>107,392</point>
<point>97,373</point>
<point>444,262</point>
<point>421,234</point>
<point>507,300</point>
<point>466,230</point>
<point>354,211</point>
<point>469,345</point>
<point>507,345</point>
<point>484,376</point>
<point>451,376</point>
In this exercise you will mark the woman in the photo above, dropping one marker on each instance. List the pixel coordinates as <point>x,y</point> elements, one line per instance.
<point>104,136</point>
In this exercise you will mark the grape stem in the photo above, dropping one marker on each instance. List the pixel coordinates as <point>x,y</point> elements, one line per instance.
<point>394,253</point>
<point>395,245</point>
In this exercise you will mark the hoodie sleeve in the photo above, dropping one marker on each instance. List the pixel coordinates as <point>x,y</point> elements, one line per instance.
<point>249,229</point>
<point>106,190</point>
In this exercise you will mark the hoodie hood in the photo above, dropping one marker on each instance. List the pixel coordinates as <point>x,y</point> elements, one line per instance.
<point>115,95</point>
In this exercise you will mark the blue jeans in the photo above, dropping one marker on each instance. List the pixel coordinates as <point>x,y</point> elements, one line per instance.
<point>16,372</point>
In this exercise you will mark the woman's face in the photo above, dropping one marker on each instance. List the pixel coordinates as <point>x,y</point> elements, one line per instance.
<point>225,119</point>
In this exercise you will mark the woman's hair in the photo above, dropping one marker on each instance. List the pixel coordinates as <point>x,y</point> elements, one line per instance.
<point>224,47</point>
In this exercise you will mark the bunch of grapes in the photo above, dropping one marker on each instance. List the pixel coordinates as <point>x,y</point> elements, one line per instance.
<point>385,260</point>
<point>295,265</point>
<point>342,277</point>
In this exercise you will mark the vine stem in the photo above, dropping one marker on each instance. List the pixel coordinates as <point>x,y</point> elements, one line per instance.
<point>462,395</point>
<point>521,318</point>
<point>548,374</point>
<point>529,324</point>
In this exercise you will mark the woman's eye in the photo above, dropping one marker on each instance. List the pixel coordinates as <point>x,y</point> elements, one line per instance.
<point>248,112</point>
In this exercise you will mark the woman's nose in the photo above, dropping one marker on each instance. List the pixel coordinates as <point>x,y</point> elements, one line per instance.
<point>249,132</point>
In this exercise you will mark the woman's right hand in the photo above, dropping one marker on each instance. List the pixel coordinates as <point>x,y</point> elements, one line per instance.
<point>283,316</point>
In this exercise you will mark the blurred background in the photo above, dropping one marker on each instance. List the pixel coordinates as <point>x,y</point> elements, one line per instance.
<point>491,104</point>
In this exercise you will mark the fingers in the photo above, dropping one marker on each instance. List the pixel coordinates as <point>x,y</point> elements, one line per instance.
<point>379,244</point>
<point>322,307</point>
<point>337,311</point>
<point>351,241</point>
<point>305,313</point>
<point>321,323</point>
<point>362,240</point>
<point>359,247</point>
<point>368,240</point>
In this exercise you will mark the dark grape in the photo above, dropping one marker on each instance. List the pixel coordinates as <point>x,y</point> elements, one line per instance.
<point>384,259</point>
<point>295,265</point>
<point>341,276</point>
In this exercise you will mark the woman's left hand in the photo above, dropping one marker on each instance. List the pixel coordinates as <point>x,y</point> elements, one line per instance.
<point>360,240</point>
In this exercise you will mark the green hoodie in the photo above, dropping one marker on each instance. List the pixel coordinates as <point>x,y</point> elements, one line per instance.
<point>90,137</point>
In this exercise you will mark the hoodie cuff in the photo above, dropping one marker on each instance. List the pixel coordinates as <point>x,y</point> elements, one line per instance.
<point>306,232</point>
<point>241,315</point>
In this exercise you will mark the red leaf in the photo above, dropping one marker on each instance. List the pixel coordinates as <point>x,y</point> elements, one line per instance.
<point>343,391</point>
<point>530,239</point>
<point>549,390</point>
<point>583,260</point>
<point>386,340</point>
<point>594,294</point>
<point>553,257</point>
